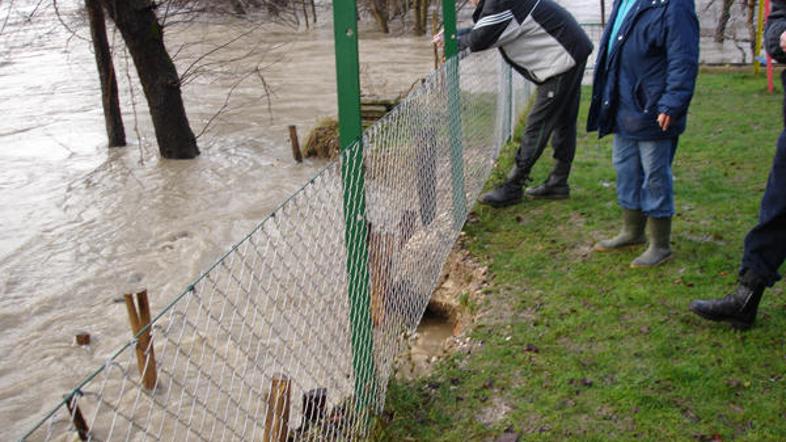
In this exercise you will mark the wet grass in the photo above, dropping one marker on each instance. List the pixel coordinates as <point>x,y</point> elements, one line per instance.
<point>572,345</point>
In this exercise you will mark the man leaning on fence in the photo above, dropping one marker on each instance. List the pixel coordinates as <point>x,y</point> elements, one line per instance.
<point>765,244</point>
<point>544,43</point>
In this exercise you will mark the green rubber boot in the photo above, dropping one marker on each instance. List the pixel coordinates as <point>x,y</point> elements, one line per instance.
<point>659,250</point>
<point>632,234</point>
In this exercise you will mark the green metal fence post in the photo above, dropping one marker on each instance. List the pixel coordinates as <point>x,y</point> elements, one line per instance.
<point>449,20</point>
<point>454,113</point>
<point>356,233</point>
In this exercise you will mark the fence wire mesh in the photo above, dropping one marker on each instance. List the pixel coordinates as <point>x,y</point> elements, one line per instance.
<point>595,33</point>
<point>267,344</point>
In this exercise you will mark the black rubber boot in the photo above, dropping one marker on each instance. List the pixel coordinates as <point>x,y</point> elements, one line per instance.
<point>659,250</point>
<point>556,186</point>
<point>738,308</point>
<point>632,233</point>
<point>510,192</point>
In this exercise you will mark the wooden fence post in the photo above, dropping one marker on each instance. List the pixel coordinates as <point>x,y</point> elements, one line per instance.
<point>296,153</point>
<point>140,319</point>
<point>76,417</point>
<point>277,416</point>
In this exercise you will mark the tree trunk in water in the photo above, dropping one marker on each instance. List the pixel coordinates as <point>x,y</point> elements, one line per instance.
<point>238,8</point>
<point>380,10</point>
<point>720,31</point>
<point>305,13</point>
<point>434,31</point>
<point>144,38</point>
<point>420,21</point>
<point>423,5</point>
<point>115,132</point>
<point>275,7</point>
<point>404,7</point>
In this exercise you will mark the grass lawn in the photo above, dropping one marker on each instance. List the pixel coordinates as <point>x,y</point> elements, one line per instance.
<point>573,345</point>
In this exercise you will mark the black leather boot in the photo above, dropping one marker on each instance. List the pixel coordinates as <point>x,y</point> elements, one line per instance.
<point>738,308</point>
<point>556,185</point>
<point>510,192</point>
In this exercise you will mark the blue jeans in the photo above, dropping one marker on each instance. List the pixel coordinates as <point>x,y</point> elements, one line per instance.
<point>644,179</point>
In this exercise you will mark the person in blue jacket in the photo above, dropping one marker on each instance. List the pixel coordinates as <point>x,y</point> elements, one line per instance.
<point>765,245</point>
<point>645,76</point>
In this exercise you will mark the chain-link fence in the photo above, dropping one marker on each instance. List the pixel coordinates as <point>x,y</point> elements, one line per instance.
<point>267,344</point>
<point>595,33</point>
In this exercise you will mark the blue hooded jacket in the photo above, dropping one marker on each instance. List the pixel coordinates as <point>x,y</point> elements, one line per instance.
<point>650,70</point>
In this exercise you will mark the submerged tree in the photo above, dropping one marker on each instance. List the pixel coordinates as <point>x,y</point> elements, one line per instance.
<point>106,72</point>
<point>385,11</point>
<point>379,9</point>
<point>421,16</point>
<point>144,37</point>
<point>142,25</point>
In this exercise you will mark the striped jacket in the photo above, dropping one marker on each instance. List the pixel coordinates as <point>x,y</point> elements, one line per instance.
<point>539,38</point>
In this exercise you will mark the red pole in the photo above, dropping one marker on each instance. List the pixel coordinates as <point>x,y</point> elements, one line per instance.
<point>770,82</point>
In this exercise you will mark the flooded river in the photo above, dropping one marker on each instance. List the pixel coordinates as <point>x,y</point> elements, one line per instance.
<point>81,224</point>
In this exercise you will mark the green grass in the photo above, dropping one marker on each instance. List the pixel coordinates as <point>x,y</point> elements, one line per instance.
<point>614,353</point>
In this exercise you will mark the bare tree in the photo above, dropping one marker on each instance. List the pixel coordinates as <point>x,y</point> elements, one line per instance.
<point>748,13</point>
<point>379,8</point>
<point>725,15</point>
<point>421,16</point>
<point>750,5</point>
<point>385,11</point>
<point>144,38</point>
<point>142,24</point>
<point>106,72</point>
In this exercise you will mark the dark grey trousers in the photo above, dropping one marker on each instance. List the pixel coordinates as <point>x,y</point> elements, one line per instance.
<point>553,116</point>
<point>765,244</point>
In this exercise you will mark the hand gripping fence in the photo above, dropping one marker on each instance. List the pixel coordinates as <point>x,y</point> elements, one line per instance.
<point>260,346</point>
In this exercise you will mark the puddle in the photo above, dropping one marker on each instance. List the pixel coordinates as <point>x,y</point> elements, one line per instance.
<point>448,316</point>
<point>427,345</point>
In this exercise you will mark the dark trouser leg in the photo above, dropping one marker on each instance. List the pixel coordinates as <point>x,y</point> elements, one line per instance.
<point>765,245</point>
<point>553,98</point>
<point>563,140</point>
<point>765,251</point>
